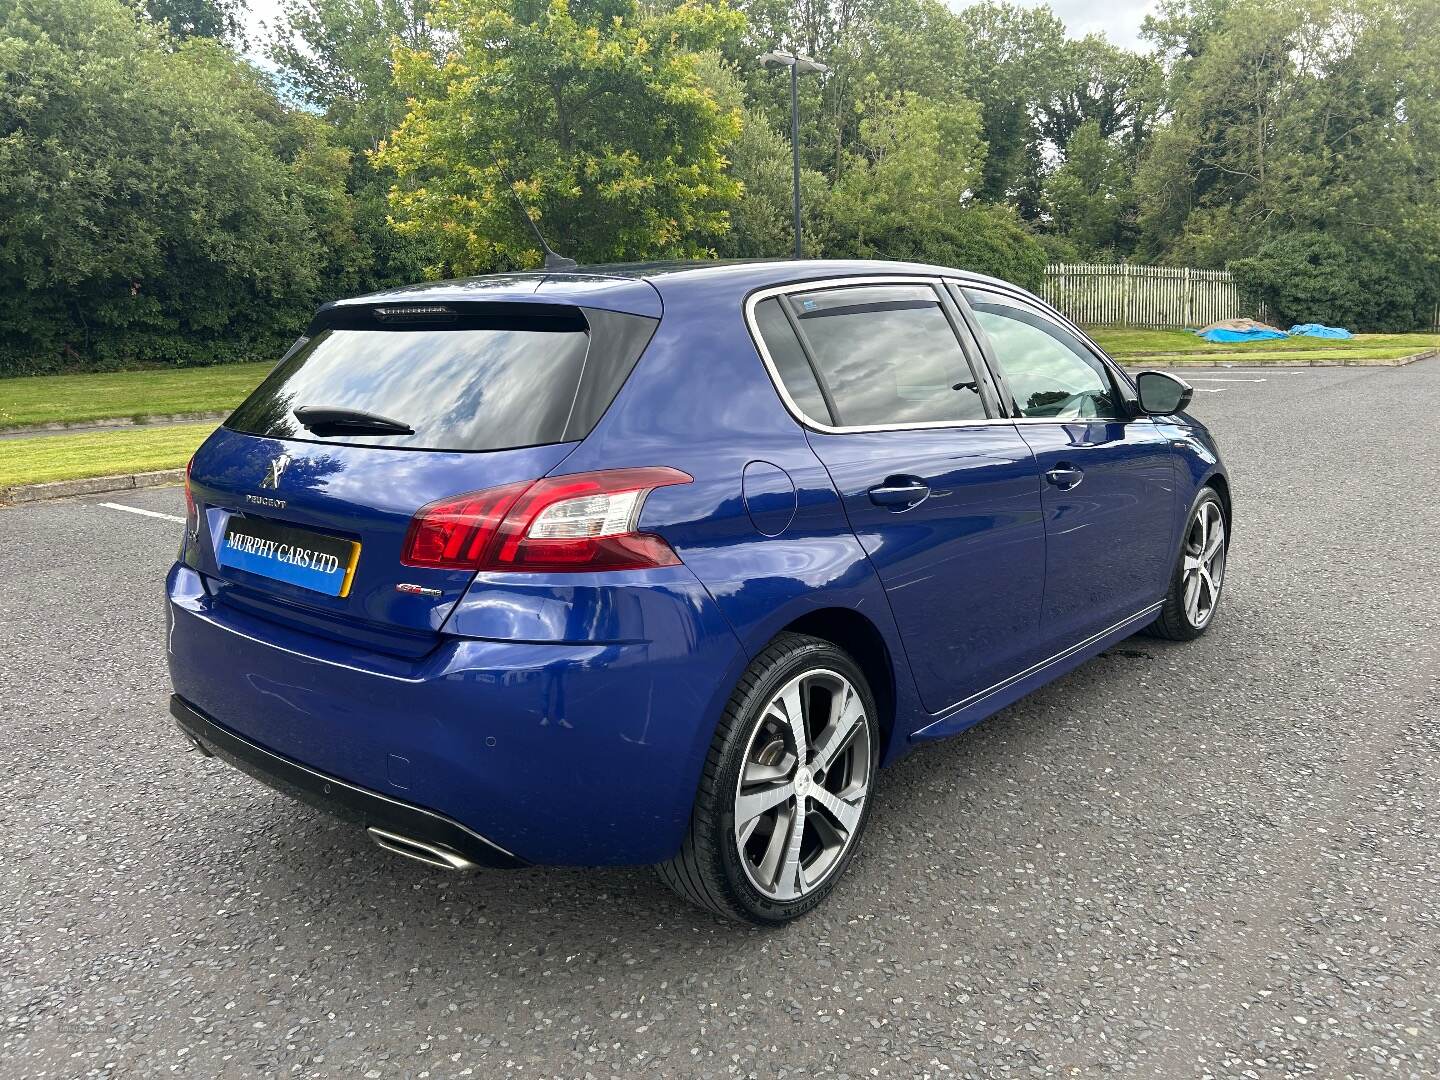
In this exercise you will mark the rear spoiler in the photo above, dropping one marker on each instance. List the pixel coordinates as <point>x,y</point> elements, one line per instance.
<point>459,314</point>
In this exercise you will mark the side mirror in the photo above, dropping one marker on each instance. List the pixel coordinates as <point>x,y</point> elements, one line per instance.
<point>1162,394</point>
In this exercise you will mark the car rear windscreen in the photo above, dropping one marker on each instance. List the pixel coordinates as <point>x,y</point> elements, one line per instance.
<point>478,382</point>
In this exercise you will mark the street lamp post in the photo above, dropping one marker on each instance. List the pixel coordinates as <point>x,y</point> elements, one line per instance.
<point>798,66</point>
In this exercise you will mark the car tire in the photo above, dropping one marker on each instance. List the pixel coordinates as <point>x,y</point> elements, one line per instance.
<point>1185,616</point>
<point>749,870</point>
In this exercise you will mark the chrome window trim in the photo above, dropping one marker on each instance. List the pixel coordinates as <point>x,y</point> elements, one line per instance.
<point>1078,419</point>
<point>935,283</point>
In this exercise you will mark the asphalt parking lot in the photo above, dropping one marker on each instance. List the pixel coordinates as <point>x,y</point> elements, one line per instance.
<point>1220,859</point>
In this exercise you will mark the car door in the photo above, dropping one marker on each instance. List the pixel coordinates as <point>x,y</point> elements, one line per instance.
<point>1109,477</point>
<point>942,493</point>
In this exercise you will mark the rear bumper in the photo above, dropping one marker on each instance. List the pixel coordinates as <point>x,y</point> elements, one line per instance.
<point>366,808</point>
<point>558,753</point>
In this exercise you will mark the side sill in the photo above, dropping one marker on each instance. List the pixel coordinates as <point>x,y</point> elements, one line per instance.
<point>978,706</point>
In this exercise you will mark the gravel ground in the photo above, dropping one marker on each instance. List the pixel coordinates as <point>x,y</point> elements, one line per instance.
<point>1217,859</point>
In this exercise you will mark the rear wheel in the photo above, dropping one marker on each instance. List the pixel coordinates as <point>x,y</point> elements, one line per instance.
<point>1194,594</point>
<point>786,787</point>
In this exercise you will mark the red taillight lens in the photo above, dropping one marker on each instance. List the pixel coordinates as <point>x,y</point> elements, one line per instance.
<point>456,533</point>
<point>585,521</point>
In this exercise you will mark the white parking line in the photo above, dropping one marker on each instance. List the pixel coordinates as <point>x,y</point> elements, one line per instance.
<point>1227,380</point>
<point>146,513</point>
<point>1210,389</point>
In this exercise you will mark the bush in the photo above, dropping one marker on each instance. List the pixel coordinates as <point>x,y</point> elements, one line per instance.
<point>1313,277</point>
<point>985,239</point>
<point>158,203</point>
<point>991,240</point>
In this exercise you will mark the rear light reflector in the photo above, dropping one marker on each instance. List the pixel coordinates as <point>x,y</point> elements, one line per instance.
<point>581,522</point>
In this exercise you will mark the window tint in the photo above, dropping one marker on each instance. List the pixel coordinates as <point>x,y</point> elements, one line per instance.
<point>482,383</point>
<point>1050,372</point>
<point>888,355</point>
<point>795,371</point>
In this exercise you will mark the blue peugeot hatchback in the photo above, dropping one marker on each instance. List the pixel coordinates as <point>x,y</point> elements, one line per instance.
<point>661,564</point>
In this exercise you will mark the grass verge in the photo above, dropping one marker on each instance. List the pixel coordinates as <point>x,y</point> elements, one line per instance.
<point>120,395</point>
<point>1257,357</point>
<point>1124,344</point>
<point>41,458</point>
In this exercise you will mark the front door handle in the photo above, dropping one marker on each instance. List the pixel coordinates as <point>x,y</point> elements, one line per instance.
<point>901,491</point>
<point>1065,477</point>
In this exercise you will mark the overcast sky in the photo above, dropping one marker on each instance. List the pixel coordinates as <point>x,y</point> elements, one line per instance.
<point>1119,20</point>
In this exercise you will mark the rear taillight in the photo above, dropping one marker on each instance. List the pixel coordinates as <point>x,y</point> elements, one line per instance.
<point>581,522</point>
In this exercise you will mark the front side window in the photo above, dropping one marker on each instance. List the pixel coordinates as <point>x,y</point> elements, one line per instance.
<point>884,354</point>
<point>1050,372</point>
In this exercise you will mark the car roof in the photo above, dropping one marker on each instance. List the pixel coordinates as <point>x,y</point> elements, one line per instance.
<point>637,287</point>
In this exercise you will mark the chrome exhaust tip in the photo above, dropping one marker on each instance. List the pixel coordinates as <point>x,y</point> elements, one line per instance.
<point>442,858</point>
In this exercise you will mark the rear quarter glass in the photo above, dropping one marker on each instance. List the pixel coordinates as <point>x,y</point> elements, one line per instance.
<point>475,379</point>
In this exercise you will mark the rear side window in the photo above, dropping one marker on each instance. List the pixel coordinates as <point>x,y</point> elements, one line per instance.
<point>884,354</point>
<point>795,371</point>
<point>478,382</point>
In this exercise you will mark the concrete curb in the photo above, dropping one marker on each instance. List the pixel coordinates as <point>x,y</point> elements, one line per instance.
<point>1176,361</point>
<point>118,423</point>
<point>90,485</point>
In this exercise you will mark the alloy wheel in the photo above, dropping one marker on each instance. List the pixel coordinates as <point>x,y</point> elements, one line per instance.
<point>1204,564</point>
<point>803,784</point>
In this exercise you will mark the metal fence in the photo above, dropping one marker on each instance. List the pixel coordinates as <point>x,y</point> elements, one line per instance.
<point>1162,297</point>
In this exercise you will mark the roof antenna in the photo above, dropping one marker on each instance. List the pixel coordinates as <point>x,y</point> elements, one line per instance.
<point>553,260</point>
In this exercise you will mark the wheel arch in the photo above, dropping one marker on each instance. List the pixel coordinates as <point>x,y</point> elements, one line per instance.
<point>862,640</point>
<point>1218,483</point>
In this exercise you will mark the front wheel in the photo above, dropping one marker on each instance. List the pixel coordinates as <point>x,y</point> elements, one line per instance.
<point>1194,593</point>
<point>786,787</point>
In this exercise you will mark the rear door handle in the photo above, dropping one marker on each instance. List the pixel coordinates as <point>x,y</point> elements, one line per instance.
<point>901,491</point>
<point>1065,476</point>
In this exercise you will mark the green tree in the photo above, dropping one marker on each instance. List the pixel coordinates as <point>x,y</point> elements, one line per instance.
<point>875,49</point>
<point>338,55</point>
<point>157,202</point>
<point>1180,31</point>
<point>1098,82</point>
<point>1089,199</point>
<point>917,166</point>
<point>595,115</point>
<point>220,19</point>
<point>1319,117</point>
<point>909,194</point>
<point>1011,59</point>
<point>761,222</point>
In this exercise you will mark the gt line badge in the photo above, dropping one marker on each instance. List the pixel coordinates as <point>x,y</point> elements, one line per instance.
<point>278,465</point>
<point>416,590</point>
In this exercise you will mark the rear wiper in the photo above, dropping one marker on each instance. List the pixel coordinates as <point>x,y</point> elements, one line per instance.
<point>334,420</point>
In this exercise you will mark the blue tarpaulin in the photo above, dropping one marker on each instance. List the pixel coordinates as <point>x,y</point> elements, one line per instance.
<point>1241,335</point>
<point>1315,329</point>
